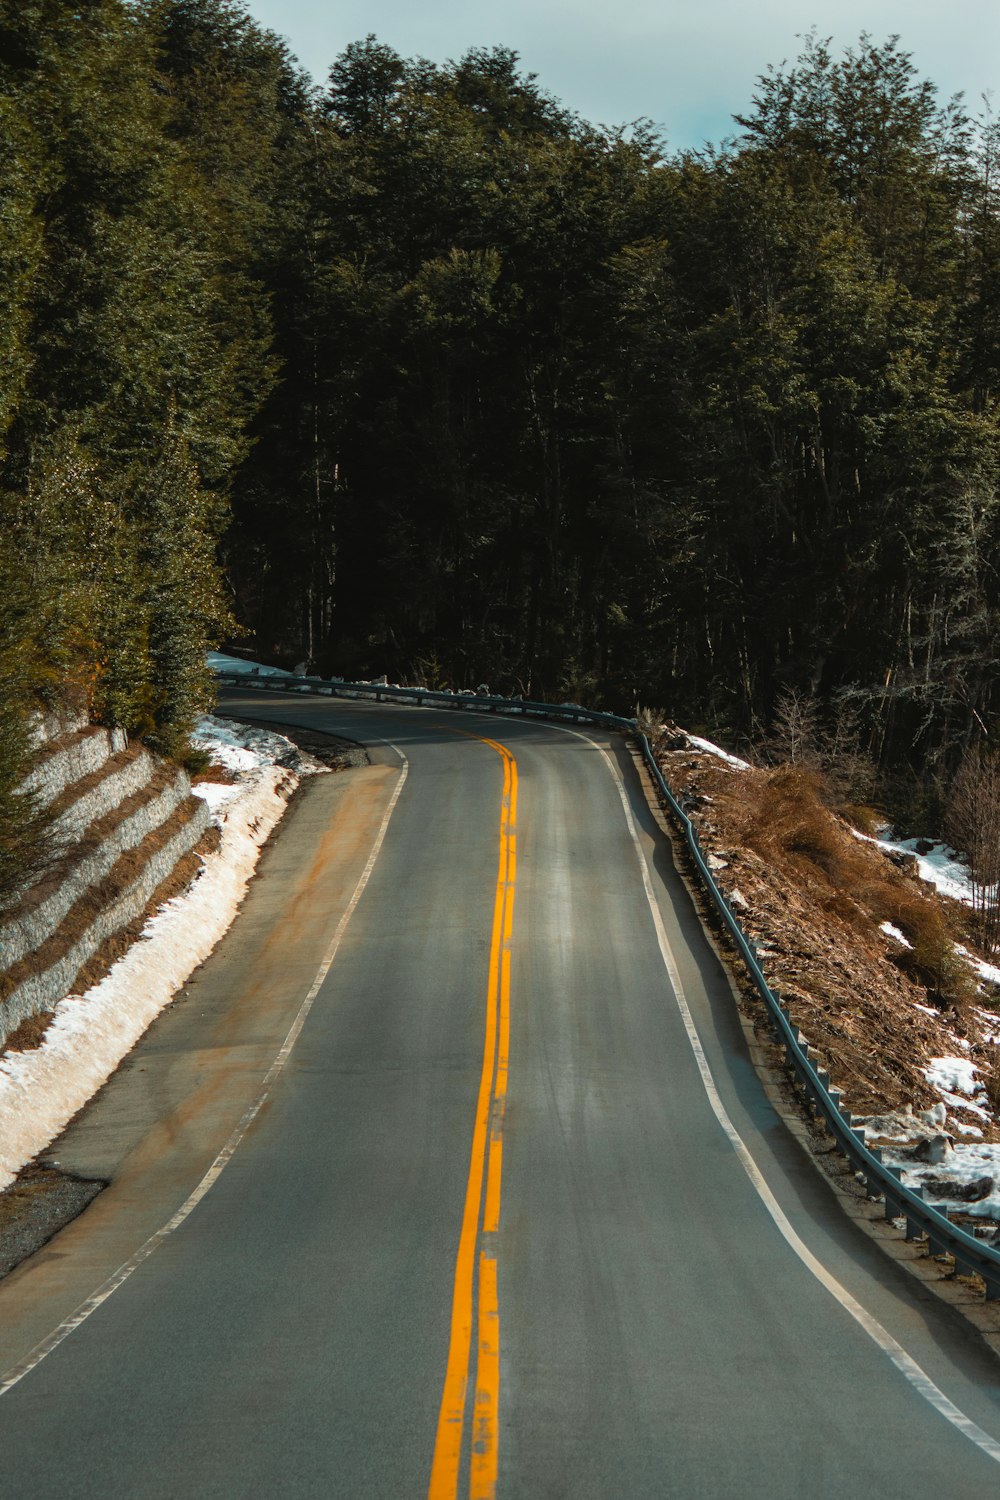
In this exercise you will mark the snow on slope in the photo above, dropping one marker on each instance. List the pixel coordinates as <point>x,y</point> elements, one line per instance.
<point>41,1090</point>
<point>710,748</point>
<point>939,864</point>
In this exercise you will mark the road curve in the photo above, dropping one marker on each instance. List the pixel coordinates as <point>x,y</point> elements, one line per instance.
<point>485,1233</point>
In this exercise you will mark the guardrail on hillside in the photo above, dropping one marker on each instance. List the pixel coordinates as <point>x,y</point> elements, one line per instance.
<point>971,1256</point>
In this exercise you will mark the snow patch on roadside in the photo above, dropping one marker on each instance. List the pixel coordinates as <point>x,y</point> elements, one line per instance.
<point>969,1165</point>
<point>244,751</point>
<point>41,1090</point>
<point>954,1078</point>
<point>244,747</point>
<point>710,749</point>
<point>963,1174</point>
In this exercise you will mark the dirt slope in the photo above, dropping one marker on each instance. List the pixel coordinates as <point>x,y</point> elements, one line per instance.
<point>814,896</point>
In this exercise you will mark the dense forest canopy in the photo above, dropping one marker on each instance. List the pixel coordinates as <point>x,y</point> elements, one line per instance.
<point>418,372</point>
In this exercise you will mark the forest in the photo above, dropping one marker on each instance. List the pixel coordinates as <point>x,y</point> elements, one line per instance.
<point>418,372</point>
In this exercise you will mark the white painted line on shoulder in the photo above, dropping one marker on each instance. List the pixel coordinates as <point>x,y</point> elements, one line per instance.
<point>80,1315</point>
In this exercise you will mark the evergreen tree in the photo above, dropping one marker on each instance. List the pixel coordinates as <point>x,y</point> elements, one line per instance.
<point>458,379</point>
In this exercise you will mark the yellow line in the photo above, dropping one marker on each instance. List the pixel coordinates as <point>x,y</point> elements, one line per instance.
<point>491,1212</point>
<point>485,1445</point>
<point>483,1464</point>
<point>486,1160</point>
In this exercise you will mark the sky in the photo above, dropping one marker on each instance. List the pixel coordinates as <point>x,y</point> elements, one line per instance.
<point>687,65</point>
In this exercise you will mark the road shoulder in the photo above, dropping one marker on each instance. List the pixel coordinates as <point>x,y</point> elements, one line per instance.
<point>158,1123</point>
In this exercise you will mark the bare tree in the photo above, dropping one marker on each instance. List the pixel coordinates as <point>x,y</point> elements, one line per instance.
<point>795,734</point>
<point>848,767</point>
<point>651,723</point>
<point>972,823</point>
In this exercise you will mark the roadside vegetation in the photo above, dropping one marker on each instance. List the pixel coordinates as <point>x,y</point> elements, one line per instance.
<point>821,765</point>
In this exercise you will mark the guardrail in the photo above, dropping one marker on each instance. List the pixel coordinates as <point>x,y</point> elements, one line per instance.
<point>971,1256</point>
<point>424,697</point>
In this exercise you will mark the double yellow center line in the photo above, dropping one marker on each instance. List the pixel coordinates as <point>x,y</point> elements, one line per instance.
<point>476,1296</point>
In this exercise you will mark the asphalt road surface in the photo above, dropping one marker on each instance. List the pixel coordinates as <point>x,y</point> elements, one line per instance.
<point>491,1229</point>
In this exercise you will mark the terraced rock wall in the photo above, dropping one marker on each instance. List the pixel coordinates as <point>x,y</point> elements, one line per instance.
<point>122,823</point>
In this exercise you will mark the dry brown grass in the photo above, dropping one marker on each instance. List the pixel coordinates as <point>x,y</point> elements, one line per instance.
<point>29,1035</point>
<point>216,774</point>
<point>788,825</point>
<point>866,819</point>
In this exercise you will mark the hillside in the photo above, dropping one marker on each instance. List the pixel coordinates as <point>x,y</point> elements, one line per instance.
<point>871,957</point>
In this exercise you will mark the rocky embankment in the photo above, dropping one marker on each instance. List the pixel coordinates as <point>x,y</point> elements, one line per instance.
<point>124,828</point>
<point>156,860</point>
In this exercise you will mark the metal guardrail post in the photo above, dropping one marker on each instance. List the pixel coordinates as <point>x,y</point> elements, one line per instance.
<point>914,1229</point>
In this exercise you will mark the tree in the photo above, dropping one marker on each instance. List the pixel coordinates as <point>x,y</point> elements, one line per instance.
<point>136,334</point>
<point>364,85</point>
<point>972,823</point>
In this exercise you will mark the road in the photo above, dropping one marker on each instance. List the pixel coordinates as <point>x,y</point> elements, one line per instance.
<point>486,1233</point>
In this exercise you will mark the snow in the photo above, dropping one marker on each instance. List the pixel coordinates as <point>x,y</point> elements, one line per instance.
<point>242,749</point>
<point>216,795</point>
<point>954,1079</point>
<point>955,1101</point>
<point>41,1090</point>
<point>895,934</point>
<point>965,1161</point>
<point>991,1022</point>
<point>969,1162</point>
<point>710,749</point>
<point>954,1074</point>
<point>221,740</point>
<point>220,662</point>
<point>941,866</point>
<point>894,1125</point>
<point>988,973</point>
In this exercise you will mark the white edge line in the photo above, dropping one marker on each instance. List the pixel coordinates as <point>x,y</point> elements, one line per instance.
<point>109,1287</point>
<point>904,1362</point>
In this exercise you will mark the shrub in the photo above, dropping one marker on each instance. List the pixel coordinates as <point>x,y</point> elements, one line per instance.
<point>932,960</point>
<point>788,824</point>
